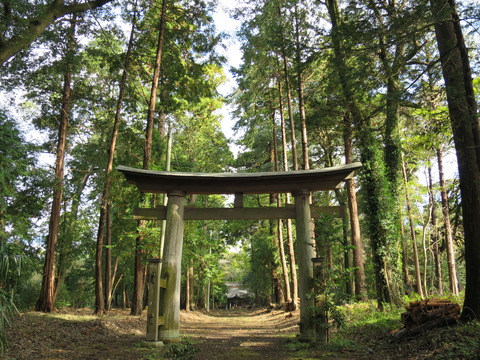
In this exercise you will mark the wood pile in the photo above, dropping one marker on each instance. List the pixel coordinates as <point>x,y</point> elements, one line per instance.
<point>428,314</point>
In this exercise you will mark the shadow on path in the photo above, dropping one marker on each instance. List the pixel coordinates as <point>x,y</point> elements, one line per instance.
<point>241,334</point>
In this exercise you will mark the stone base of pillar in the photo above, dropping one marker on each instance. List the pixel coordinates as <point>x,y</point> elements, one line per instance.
<point>169,336</point>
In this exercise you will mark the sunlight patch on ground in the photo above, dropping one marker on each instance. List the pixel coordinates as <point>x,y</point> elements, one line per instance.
<point>257,343</point>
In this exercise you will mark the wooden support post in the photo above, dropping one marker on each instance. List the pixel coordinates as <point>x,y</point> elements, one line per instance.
<point>238,201</point>
<point>153,279</point>
<point>305,253</point>
<point>169,331</point>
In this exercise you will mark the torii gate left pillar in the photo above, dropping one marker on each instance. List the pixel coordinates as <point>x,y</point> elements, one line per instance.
<point>168,301</point>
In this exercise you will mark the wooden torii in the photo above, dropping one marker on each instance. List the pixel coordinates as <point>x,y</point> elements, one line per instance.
<point>163,322</point>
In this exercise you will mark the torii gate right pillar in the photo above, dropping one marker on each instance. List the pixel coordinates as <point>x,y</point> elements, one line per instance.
<point>305,253</point>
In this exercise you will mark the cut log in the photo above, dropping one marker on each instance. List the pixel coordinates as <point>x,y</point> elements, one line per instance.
<point>428,314</point>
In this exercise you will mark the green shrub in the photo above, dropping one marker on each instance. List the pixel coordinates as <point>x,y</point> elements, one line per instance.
<point>184,350</point>
<point>7,310</point>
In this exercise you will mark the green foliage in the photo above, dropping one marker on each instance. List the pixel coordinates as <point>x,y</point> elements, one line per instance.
<point>7,310</point>
<point>10,271</point>
<point>184,350</point>
<point>298,347</point>
<point>366,322</point>
<point>464,345</point>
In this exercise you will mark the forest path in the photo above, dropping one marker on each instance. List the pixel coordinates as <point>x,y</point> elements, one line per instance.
<point>241,334</point>
<point>76,334</point>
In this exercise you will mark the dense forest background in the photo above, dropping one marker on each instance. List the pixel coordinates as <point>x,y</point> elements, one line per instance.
<point>319,84</point>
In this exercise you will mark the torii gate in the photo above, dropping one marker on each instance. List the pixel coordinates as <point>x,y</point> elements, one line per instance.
<point>164,299</point>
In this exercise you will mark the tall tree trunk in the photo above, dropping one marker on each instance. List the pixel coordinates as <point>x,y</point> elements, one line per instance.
<point>418,276</point>
<point>46,301</point>
<point>140,268</point>
<point>301,97</point>
<point>355,234</point>
<point>405,262</point>
<point>286,72</point>
<point>425,252</point>
<point>466,134</point>
<point>450,247</point>
<point>291,246</point>
<point>380,218</point>
<point>191,278</point>
<point>65,242</point>
<point>347,262</point>
<point>108,259</point>
<point>434,238</point>
<point>188,291</point>
<point>99,294</point>
<point>283,261</point>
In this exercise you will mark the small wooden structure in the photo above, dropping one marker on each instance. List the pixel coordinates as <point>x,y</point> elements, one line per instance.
<point>164,277</point>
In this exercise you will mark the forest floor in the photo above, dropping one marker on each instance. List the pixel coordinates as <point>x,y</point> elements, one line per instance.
<point>218,335</point>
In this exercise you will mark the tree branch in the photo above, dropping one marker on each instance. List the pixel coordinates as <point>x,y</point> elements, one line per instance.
<point>24,37</point>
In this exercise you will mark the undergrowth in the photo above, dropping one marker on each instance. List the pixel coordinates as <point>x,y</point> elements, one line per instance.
<point>369,334</point>
<point>184,350</point>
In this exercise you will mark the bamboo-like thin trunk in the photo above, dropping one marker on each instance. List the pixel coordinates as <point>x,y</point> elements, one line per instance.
<point>283,261</point>
<point>301,97</point>
<point>187,291</point>
<point>286,72</point>
<point>290,242</point>
<point>192,282</point>
<point>434,238</point>
<point>108,259</point>
<point>425,253</point>
<point>405,262</point>
<point>418,277</point>
<point>452,266</point>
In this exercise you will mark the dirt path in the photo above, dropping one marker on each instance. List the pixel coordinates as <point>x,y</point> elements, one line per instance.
<point>240,334</point>
<point>77,335</point>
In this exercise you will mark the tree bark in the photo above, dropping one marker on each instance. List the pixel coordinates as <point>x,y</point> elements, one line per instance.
<point>405,261</point>
<point>466,134</point>
<point>46,301</point>
<point>355,234</point>
<point>108,259</point>
<point>65,243</point>
<point>301,97</point>
<point>286,72</point>
<point>139,275</point>
<point>380,215</point>
<point>452,266</point>
<point>188,291</point>
<point>99,294</point>
<point>191,278</point>
<point>283,261</point>
<point>418,276</point>
<point>434,238</point>
<point>291,247</point>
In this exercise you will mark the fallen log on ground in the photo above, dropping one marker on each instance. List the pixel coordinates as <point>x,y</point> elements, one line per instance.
<point>428,314</point>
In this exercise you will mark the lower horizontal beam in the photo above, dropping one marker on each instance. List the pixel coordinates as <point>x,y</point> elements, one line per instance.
<point>267,213</point>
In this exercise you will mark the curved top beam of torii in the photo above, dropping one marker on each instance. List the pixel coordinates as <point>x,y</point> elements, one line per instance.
<point>151,181</point>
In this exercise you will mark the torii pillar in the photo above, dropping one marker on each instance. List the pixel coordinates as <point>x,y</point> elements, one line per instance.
<point>305,254</point>
<point>169,304</point>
